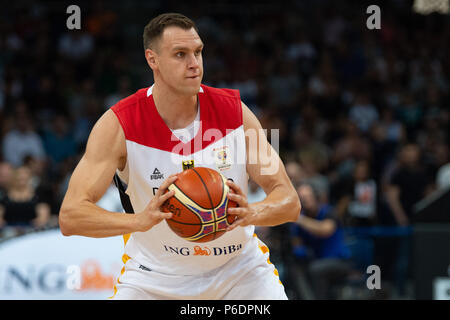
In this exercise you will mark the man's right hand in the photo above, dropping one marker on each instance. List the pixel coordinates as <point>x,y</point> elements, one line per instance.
<point>152,214</point>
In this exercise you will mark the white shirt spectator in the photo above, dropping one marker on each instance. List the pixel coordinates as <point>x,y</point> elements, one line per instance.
<point>443,176</point>
<point>76,46</point>
<point>363,204</point>
<point>302,50</point>
<point>363,115</point>
<point>18,144</point>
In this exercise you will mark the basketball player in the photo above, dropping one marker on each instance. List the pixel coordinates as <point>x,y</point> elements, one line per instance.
<point>143,142</point>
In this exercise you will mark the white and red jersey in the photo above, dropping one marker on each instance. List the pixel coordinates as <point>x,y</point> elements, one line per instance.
<point>154,153</point>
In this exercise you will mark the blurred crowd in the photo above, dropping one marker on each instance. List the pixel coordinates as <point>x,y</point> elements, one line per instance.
<point>363,115</point>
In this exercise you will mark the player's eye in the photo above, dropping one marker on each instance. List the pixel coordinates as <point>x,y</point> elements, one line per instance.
<point>180,54</point>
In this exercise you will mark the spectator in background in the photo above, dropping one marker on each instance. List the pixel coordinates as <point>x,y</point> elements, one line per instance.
<point>6,171</point>
<point>324,88</point>
<point>347,150</point>
<point>62,180</point>
<point>386,135</point>
<point>41,182</point>
<point>58,141</point>
<point>410,113</point>
<point>83,124</point>
<point>313,156</point>
<point>392,94</point>
<point>78,99</point>
<point>406,187</point>
<point>358,197</point>
<point>301,48</point>
<point>284,83</point>
<point>349,62</point>
<point>47,99</point>
<point>319,83</point>
<point>124,90</point>
<point>408,184</point>
<point>272,121</point>
<point>393,129</point>
<point>318,239</point>
<point>310,164</point>
<point>22,141</point>
<point>20,206</point>
<point>443,177</point>
<point>76,45</point>
<point>294,172</point>
<point>363,113</point>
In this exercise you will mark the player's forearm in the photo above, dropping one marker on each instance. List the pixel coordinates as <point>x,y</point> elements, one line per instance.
<point>280,206</point>
<point>87,219</point>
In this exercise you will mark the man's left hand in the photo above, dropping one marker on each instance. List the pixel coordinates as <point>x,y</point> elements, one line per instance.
<point>245,214</point>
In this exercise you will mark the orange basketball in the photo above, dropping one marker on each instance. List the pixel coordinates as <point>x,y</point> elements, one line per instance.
<point>199,205</point>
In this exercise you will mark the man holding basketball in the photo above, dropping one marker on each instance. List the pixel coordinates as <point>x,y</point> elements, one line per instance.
<point>144,142</point>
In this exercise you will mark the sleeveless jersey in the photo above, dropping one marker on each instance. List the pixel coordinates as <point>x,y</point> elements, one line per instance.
<point>154,152</point>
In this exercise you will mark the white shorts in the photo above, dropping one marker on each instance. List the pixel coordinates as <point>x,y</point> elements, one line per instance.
<point>248,276</point>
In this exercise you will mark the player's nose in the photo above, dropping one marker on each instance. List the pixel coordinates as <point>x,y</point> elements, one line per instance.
<point>193,62</point>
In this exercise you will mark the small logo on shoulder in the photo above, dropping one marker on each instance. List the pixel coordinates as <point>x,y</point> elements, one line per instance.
<point>156,175</point>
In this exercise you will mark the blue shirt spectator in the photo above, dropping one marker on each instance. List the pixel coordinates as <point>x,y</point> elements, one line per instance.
<point>332,246</point>
<point>318,243</point>
<point>59,142</point>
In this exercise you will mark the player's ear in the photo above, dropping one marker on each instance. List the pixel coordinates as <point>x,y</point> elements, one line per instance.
<point>151,57</point>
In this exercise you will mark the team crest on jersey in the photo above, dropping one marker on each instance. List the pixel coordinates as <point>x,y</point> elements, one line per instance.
<point>188,164</point>
<point>222,158</point>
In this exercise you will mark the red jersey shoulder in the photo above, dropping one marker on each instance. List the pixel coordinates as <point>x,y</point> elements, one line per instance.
<point>219,109</point>
<point>129,112</point>
<point>226,104</point>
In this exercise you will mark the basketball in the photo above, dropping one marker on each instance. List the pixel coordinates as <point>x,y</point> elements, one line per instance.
<point>199,205</point>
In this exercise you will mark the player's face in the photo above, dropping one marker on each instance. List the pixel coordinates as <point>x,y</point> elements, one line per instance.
<point>22,177</point>
<point>179,60</point>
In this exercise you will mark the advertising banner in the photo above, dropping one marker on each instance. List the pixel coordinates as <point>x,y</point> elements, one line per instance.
<point>46,265</point>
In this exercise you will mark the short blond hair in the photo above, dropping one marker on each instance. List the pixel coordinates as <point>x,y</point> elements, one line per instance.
<point>154,29</point>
